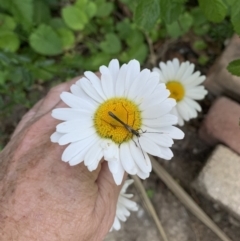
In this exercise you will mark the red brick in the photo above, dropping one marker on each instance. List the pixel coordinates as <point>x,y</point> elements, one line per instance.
<point>222,124</point>
<point>219,81</point>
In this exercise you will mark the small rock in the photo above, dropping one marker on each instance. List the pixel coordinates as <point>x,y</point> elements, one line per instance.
<point>222,124</point>
<point>219,81</point>
<point>219,180</point>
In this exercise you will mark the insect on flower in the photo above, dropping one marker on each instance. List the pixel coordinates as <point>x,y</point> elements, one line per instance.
<point>115,118</point>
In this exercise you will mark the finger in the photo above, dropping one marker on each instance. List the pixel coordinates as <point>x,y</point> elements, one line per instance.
<point>27,117</point>
<point>107,185</point>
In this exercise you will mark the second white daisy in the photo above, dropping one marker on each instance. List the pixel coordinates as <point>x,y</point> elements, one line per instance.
<point>185,87</point>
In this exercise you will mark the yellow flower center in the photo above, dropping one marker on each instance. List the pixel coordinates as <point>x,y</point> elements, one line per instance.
<point>176,89</point>
<point>109,127</point>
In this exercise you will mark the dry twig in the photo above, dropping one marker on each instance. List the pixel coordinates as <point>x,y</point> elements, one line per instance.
<point>149,206</point>
<point>186,200</point>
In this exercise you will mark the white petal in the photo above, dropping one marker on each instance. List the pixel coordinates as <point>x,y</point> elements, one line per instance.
<point>127,160</point>
<point>118,176</point>
<point>116,224</point>
<point>92,154</point>
<point>82,152</point>
<point>126,184</point>
<point>76,147</point>
<point>176,65</point>
<point>165,120</point>
<point>107,82</point>
<point>96,83</point>
<point>76,135</point>
<point>88,87</point>
<point>155,98</point>
<point>188,72</point>
<point>159,110</point>
<point>119,87</point>
<point>183,111</point>
<point>149,146</point>
<point>69,126</point>
<point>159,139</point>
<point>55,137</point>
<point>133,71</point>
<point>139,85</point>
<point>182,69</point>
<point>166,153</point>
<point>66,114</point>
<point>110,150</point>
<point>76,102</point>
<point>193,104</point>
<point>114,69</point>
<point>141,159</point>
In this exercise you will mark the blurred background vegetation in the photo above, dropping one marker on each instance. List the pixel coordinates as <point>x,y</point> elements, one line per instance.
<point>44,42</point>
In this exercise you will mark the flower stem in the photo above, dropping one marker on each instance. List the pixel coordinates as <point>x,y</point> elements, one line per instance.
<point>186,200</point>
<point>150,207</point>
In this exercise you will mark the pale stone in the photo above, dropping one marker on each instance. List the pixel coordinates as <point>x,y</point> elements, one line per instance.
<point>220,179</point>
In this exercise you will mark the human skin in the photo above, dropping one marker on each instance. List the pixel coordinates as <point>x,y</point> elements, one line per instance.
<point>43,198</point>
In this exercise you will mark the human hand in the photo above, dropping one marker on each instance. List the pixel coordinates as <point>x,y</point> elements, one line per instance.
<point>43,198</point>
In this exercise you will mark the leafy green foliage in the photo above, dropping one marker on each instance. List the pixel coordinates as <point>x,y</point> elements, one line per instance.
<point>215,11</point>
<point>235,16</point>
<point>7,22</point>
<point>147,13</point>
<point>44,40</point>
<point>234,67</point>
<point>74,17</point>
<point>170,10</point>
<point>178,28</point>
<point>111,44</point>
<point>9,41</point>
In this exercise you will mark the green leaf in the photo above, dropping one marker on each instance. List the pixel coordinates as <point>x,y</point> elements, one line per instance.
<point>180,27</point>
<point>74,17</point>
<point>57,23</point>
<point>170,10</point>
<point>147,13</point>
<point>131,4</point>
<point>67,37</point>
<point>91,9</point>
<point>3,76</point>
<point>44,40</point>
<point>7,22</point>
<point>234,67</point>
<point>22,11</point>
<point>214,10</point>
<point>139,52</point>
<point>93,62</point>
<point>81,3</point>
<point>235,17</point>
<point>134,38</point>
<point>41,12</point>
<point>199,45</point>
<point>9,41</point>
<point>198,17</point>
<point>124,28</point>
<point>104,9</point>
<point>111,44</point>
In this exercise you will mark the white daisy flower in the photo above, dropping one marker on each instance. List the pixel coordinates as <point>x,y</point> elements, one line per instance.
<point>120,117</point>
<point>124,206</point>
<point>185,87</point>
